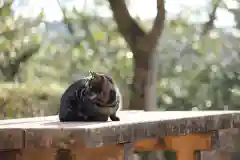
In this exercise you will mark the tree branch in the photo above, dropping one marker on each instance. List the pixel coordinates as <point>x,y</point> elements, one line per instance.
<point>11,69</point>
<point>127,26</point>
<point>89,35</point>
<point>205,29</point>
<point>158,25</point>
<point>26,54</point>
<point>212,16</point>
<point>66,20</point>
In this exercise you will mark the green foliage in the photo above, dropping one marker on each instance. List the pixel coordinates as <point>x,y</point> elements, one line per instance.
<point>18,41</point>
<point>28,100</point>
<point>194,73</point>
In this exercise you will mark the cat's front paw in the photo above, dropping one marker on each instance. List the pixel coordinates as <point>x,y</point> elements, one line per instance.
<point>114,118</point>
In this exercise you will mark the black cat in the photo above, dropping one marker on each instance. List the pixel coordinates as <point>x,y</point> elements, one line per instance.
<point>93,98</point>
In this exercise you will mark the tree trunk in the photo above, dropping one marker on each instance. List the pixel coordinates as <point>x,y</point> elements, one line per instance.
<point>144,84</point>
<point>140,82</point>
<point>142,45</point>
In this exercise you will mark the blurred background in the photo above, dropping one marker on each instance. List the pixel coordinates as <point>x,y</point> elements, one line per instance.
<point>46,45</point>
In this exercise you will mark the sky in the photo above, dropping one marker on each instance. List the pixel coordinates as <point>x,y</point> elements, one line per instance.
<point>145,9</point>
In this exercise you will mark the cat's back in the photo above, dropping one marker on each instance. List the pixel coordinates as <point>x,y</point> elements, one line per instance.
<point>71,90</point>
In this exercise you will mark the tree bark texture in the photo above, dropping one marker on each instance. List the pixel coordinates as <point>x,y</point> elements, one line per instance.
<point>142,45</point>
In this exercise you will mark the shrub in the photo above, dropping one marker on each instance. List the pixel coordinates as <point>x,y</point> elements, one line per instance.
<point>28,100</point>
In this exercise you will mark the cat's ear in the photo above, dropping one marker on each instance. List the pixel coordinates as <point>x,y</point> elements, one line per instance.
<point>95,75</point>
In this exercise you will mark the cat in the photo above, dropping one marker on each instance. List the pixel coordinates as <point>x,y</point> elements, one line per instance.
<point>92,98</point>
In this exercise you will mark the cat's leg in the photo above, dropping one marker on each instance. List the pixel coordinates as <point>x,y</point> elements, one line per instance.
<point>98,118</point>
<point>66,115</point>
<point>81,117</point>
<point>114,117</point>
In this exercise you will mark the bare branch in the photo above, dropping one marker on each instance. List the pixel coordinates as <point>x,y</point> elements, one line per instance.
<point>65,19</point>
<point>127,26</point>
<point>26,54</point>
<point>11,69</point>
<point>86,27</point>
<point>212,16</point>
<point>158,25</point>
<point>205,30</point>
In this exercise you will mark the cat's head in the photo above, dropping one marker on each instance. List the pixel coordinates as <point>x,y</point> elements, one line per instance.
<point>101,86</point>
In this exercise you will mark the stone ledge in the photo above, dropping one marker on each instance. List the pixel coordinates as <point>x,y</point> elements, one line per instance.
<point>48,132</point>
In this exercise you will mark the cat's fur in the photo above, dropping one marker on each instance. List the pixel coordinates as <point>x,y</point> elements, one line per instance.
<point>93,98</point>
